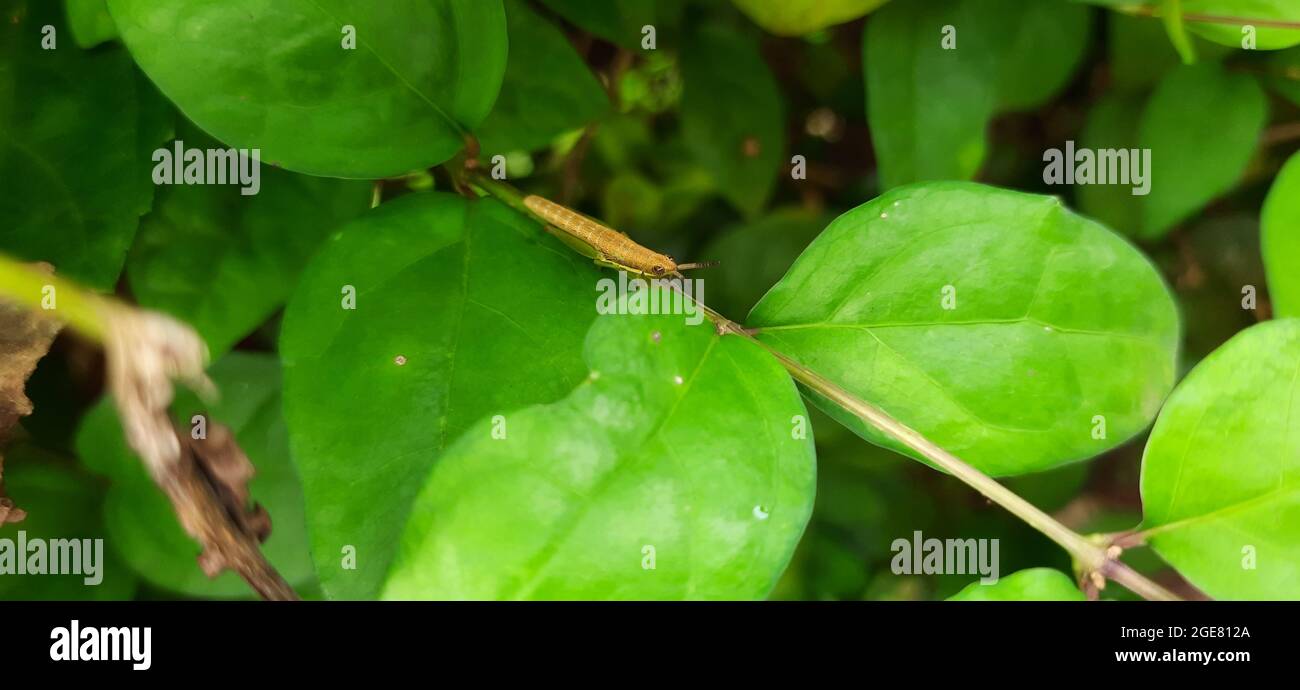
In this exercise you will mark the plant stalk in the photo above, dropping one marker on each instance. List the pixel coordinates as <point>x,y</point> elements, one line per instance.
<point>1092,557</point>
<point>56,297</point>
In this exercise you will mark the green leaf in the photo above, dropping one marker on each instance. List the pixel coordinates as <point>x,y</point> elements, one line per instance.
<point>1229,33</point>
<point>633,204</point>
<point>140,520</point>
<point>733,117</point>
<point>61,503</point>
<point>676,453</point>
<point>754,255</point>
<point>77,129</point>
<point>928,106</point>
<point>801,17</point>
<point>486,312</point>
<point>1219,489</point>
<point>222,261</point>
<point>1201,125</point>
<point>1193,158</point>
<point>1055,321</point>
<point>1140,55</point>
<point>1112,124</point>
<point>1034,584</point>
<point>1284,74</point>
<point>547,91</point>
<point>621,21</point>
<point>1172,17</point>
<point>1041,55</point>
<point>90,22</point>
<point>277,77</point>
<point>1280,239</point>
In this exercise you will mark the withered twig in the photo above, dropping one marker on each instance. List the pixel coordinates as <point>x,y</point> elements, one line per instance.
<point>207,486</point>
<point>206,480</point>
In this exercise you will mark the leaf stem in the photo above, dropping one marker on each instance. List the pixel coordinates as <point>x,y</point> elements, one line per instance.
<point>1148,11</point>
<point>29,286</point>
<point>1092,557</point>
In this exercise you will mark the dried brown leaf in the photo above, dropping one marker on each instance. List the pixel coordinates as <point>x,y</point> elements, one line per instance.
<point>206,480</point>
<point>25,337</point>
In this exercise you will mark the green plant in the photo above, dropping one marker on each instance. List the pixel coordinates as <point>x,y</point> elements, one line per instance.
<point>435,410</point>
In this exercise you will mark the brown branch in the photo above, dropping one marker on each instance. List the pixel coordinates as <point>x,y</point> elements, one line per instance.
<point>1216,19</point>
<point>207,486</point>
<point>206,480</point>
<point>1280,133</point>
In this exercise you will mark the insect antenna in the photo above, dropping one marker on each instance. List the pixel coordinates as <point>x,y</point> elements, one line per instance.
<point>696,264</point>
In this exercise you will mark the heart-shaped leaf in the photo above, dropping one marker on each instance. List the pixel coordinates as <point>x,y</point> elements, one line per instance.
<point>1007,329</point>
<point>673,473</point>
<point>343,88</point>
<point>1220,494</point>
<point>461,310</point>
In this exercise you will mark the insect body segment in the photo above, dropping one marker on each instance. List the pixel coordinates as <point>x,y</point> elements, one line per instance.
<point>610,247</point>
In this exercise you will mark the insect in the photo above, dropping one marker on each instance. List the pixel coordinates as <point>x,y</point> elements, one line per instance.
<point>607,246</point>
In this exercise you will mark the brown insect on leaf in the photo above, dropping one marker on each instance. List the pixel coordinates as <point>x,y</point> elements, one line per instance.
<point>25,337</point>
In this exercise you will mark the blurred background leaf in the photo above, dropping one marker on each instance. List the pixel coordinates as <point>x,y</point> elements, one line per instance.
<point>62,502</point>
<point>1201,126</point>
<point>77,131</point>
<point>90,22</point>
<point>1036,584</point>
<point>547,90</point>
<point>937,72</point>
<point>799,17</point>
<point>222,261</point>
<point>742,147</point>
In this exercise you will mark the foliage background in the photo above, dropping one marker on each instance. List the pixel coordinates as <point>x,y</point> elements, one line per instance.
<point>646,141</point>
